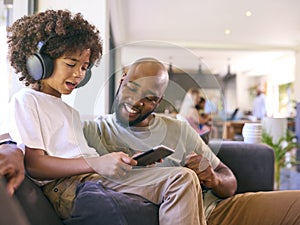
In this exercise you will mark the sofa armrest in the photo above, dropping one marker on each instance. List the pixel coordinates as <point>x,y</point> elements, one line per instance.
<point>252,164</point>
<point>36,206</point>
<point>10,210</point>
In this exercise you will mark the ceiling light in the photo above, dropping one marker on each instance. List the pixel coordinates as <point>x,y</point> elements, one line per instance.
<point>227,31</point>
<point>248,13</point>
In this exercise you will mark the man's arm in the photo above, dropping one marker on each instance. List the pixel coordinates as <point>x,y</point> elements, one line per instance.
<point>221,179</point>
<point>11,164</point>
<point>227,184</point>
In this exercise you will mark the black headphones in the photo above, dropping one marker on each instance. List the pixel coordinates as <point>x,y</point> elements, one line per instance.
<point>40,66</point>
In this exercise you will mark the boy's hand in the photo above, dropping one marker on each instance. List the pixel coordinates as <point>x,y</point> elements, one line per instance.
<point>115,164</point>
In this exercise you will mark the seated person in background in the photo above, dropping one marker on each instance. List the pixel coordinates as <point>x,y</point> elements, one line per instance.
<point>204,118</point>
<point>192,109</point>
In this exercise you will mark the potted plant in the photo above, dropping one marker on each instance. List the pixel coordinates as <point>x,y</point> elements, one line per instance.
<point>284,145</point>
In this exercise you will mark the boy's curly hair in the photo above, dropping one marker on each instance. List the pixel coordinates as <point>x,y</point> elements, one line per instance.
<point>68,33</point>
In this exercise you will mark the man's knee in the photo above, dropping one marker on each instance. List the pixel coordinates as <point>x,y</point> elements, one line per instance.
<point>189,177</point>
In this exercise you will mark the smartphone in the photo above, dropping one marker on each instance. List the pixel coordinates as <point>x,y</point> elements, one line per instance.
<point>153,155</point>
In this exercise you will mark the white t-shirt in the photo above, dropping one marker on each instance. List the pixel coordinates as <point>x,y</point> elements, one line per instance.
<point>106,135</point>
<point>42,121</point>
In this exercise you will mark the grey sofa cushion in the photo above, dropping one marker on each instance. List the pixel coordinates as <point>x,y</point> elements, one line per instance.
<point>252,164</point>
<point>10,209</point>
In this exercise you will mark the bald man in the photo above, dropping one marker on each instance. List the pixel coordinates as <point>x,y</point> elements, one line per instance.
<point>174,189</point>
<point>135,127</point>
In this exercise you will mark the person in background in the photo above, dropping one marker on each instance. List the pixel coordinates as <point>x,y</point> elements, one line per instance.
<point>192,109</point>
<point>204,118</point>
<point>259,110</point>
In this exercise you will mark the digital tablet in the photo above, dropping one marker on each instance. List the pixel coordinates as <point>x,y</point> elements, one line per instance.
<point>153,155</point>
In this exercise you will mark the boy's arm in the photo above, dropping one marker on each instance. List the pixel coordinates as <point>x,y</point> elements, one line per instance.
<point>44,167</point>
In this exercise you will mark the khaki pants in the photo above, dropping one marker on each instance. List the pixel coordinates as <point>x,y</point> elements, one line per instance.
<point>62,192</point>
<point>176,190</point>
<point>261,208</point>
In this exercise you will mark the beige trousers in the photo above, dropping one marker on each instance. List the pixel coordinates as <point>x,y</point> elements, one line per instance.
<point>176,189</point>
<point>261,208</point>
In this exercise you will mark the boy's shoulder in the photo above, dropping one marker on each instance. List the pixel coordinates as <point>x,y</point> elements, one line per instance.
<point>29,92</point>
<point>24,94</point>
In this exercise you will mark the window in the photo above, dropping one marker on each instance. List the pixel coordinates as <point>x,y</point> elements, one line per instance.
<point>5,17</point>
<point>287,104</point>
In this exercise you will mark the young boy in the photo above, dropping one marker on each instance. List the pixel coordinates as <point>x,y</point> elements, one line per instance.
<point>54,52</point>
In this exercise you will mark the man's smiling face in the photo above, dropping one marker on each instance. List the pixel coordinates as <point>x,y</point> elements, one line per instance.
<point>140,93</point>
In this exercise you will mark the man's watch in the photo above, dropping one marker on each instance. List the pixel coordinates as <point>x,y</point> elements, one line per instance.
<point>7,141</point>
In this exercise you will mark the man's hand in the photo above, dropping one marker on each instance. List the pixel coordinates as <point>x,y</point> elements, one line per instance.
<point>221,179</point>
<point>203,169</point>
<point>11,166</point>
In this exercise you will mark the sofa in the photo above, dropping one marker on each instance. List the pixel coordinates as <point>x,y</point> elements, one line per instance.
<point>252,164</point>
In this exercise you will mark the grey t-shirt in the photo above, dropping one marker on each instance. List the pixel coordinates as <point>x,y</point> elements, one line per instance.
<point>106,135</point>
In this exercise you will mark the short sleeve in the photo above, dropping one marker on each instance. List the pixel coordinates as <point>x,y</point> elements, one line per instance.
<point>24,125</point>
<point>194,142</point>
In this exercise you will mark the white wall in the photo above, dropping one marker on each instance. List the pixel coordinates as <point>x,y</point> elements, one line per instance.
<point>91,99</point>
<point>230,95</point>
<point>244,100</point>
<point>280,71</point>
<point>9,82</point>
<point>4,88</point>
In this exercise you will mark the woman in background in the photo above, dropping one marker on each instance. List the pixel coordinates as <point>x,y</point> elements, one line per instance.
<point>192,110</point>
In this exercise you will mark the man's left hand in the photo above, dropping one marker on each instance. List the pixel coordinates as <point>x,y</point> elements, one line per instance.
<point>203,169</point>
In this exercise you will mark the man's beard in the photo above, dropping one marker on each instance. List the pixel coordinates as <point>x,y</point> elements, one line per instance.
<point>123,121</point>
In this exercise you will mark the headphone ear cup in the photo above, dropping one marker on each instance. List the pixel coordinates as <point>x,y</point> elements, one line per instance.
<point>86,79</point>
<point>39,66</point>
